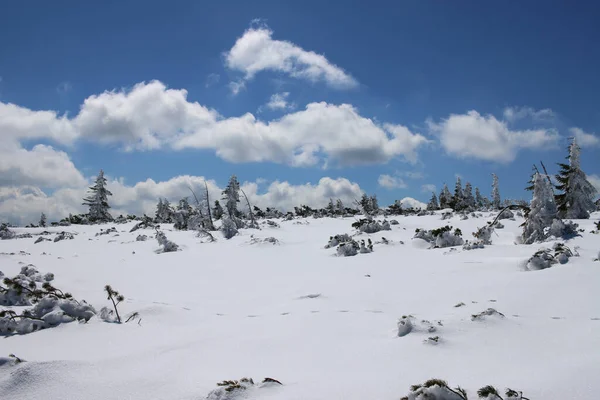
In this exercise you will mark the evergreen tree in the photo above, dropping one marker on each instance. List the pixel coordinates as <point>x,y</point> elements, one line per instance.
<point>542,212</point>
<point>458,200</point>
<point>365,203</point>
<point>445,198</point>
<point>164,211</point>
<point>339,207</point>
<point>217,210</point>
<point>495,192</point>
<point>433,202</point>
<point>577,198</point>
<point>374,204</point>
<point>97,200</point>
<point>479,199</point>
<point>330,208</point>
<point>231,195</point>
<point>469,200</point>
<point>42,220</point>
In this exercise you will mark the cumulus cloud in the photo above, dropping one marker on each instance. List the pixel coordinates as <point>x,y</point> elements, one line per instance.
<point>428,188</point>
<point>391,182</point>
<point>513,114</point>
<point>257,51</point>
<point>278,101</point>
<point>212,79</point>
<point>484,137</point>
<point>409,202</point>
<point>585,139</point>
<point>24,204</point>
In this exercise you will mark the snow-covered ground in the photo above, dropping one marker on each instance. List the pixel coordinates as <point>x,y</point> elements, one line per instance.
<point>325,326</point>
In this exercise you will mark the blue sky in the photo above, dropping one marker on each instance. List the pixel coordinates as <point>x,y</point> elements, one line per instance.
<point>472,87</point>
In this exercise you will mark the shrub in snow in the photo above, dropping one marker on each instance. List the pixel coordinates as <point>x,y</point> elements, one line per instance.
<point>366,248</point>
<point>63,236</point>
<point>484,234</point>
<point>441,237</point>
<point>268,240</point>
<point>166,245</point>
<point>506,214</point>
<point>145,223</point>
<point>348,249</point>
<point>11,360</point>
<point>41,239</point>
<point>272,224</point>
<point>487,313</point>
<point>408,324</point>
<point>337,239</point>
<point>107,231</point>
<point>545,258</point>
<point>6,233</point>
<point>476,244</point>
<point>141,238</point>
<point>108,315</point>
<point>438,389</point>
<point>22,289</point>
<point>447,215</point>
<point>394,222</point>
<point>229,227</point>
<point>371,226</point>
<point>231,390</point>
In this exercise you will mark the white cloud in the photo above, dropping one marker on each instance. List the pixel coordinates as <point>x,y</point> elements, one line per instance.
<point>151,116</point>
<point>391,182</point>
<point>409,202</point>
<point>212,79</point>
<point>257,51</point>
<point>236,86</point>
<point>278,101</point>
<point>473,135</point>
<point>428,188</point>
<point>513,114</point>
<point>24,204</point>
<point>41,166</point>
<point>585,139</point>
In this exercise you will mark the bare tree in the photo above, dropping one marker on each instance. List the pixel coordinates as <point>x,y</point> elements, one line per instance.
<point>253,223</point>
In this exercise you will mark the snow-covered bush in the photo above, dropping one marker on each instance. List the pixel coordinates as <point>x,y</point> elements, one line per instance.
<point>272,224</point>
<point>337,239</point>
<point>107,231</point>
<point>229,227</point>
<point>268,240</point>
<point>484,234</point>
<point>22,289</point>
<point>348,249</point>
<point>366,248</point>
<point>63,236</point>
<point>238,389</point>
<point>112,315</point>
<point>476,244</point>
<point>486,313</point>
<point>545,257</point>
<point>145,223</point>
<point>408,324</point>
<point>41,239</point>
<point>141,238</point>
<point>394,222</point>
<point>447,215</point>
<point>6,233</point>
<point>440,237</point>
<point>506,214</point>
<point>438,389</point>
<point>371,226</point>
<point>167,246</point>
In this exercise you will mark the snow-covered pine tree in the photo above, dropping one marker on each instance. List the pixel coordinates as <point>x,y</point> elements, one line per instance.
<point>330,208</point>
<point>365,203</point>
<point>479,199</point>
<point>577,198</point>
<point>339,207</point>
<point>433,203</point>
<point>495,193</point>
<point>164,211</point>
<point>42,223</point>
<point>97,200</point>
<point>217,210</point>
<point>374,204</point>
<point>231,195</point>
<point>469,200</point>
<point>159,210</point>
<point>445,197</point>
<point>542,212</point>
<point>458,200</point>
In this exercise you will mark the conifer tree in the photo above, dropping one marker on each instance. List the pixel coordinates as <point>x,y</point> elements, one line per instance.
<point>469,200</point>
<point>330,208</point>
<point>479,199</point>
<point>445,197</point>
<point>97,200</point>
<point>374,204</point>
<point>495,193</point>
<point>42,220</point>
<point>339,207</point>
<point>577,198</point>
<point>542,212</point>
<point>365,203</point>
<point>433,203</point>
<point>231,196</point>
<point>217,210</point>
<point>458,200</point>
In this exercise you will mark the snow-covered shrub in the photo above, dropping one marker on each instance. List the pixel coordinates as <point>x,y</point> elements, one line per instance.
<point>484,234</point>
<point>234,389</point>
<point>229,228</point>
<point>476,244</point>
<point>141,238</point>
<point>440,237</point>
<point>486,313</point>
<point>107,231</point>
<point>108,315</point>
<point>11,360</point>
<point>506,214</point>
<point>268,240</point>
<point>371,226</point>
<point>348,249</point>
<point>63,236</point>
<point>408,324</point>
<point>41,239</point>
<point>6,233</point>
<point>22,289</point>
<point>438,389</point>
<point>337,239</point>
<point>394,222</point>
<point>562,229</point>
<point>545,258</point>
<point>405,325</point>
<point>447,215</point>
<point>145,223</point>
<point>272,224</point>
<point>167,246</point>
<point>368,248</point>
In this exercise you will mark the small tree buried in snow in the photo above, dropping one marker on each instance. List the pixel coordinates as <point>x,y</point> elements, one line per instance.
<point>441,237</point>
<point>115,297</point>
<point>229,227</point>
<point>368,225</point>
<point>238,389</point>
<point>545,258</point>
<point>6,233</point>
<point>438,389</point>
<point>337,239</point>
<point>167,246</point>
